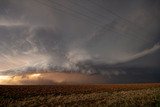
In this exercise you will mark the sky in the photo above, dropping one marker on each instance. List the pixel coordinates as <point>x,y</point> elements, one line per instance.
<point>82,41</point>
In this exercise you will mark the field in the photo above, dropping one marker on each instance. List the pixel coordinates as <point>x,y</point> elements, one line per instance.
<point>80,95</point>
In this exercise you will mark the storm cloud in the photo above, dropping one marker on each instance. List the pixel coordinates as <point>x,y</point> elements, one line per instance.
<point>119,40</point>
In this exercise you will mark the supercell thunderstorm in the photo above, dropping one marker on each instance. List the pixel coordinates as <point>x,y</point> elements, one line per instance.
<point>36,38</point>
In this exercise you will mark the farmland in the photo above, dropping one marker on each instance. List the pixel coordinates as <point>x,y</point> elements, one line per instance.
<point>80,95</point>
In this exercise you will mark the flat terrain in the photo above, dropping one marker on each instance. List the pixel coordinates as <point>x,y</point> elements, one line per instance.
<point>80,95</point>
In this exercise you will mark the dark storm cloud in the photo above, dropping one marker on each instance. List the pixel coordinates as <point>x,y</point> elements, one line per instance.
<point>93,37</point>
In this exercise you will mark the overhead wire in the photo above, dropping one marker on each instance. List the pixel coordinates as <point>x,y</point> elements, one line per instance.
<point>80,14</point>
<point>120,17</point>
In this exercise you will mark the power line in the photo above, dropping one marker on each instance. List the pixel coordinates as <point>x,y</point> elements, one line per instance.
<point>115,14</point>
<point>74,11</point>
<point>83,16</point>
<point>110,11</point>
<point>88,17</point>
<point>68,13</point>
<point>83,7</point>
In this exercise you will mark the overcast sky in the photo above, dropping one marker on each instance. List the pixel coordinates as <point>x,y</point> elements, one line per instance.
<point>116,39</point>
